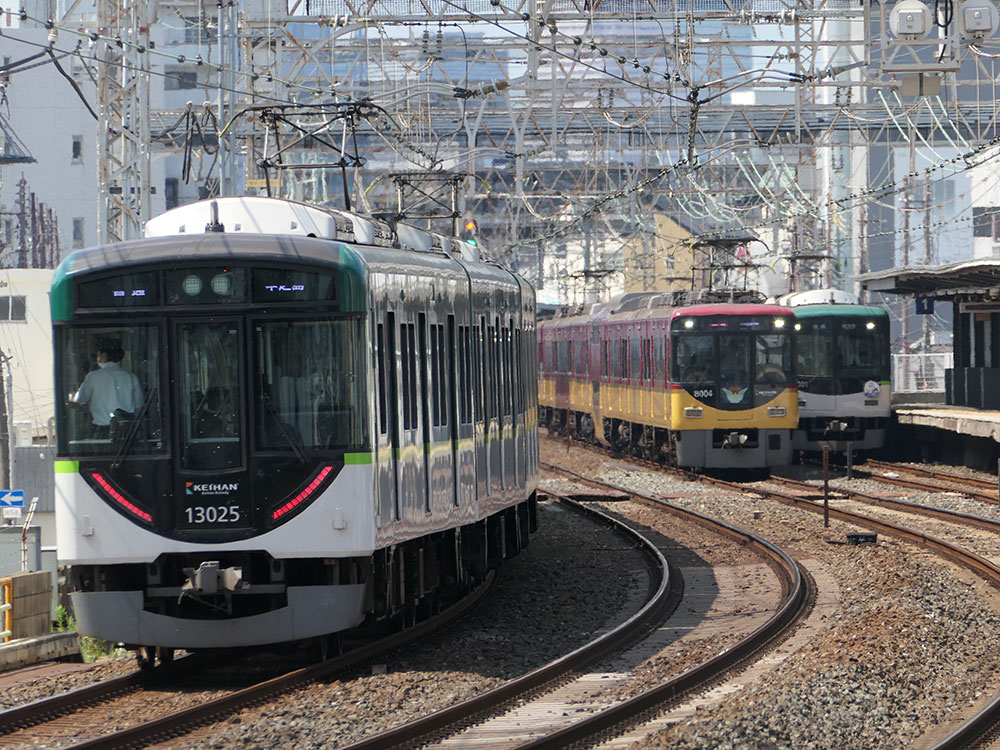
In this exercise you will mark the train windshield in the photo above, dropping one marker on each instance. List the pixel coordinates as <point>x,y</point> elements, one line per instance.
<point>863,349</point>
<point>310,383</point>
<point>208,375</point>
<point>108,379</point>
<point>812,348</point>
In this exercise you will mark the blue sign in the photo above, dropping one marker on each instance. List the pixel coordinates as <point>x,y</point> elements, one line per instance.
<point>11,498</point>
<point>925,305</point>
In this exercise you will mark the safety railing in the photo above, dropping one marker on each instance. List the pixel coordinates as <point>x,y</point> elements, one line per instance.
<point>6,609</point>
<point>920,373</point>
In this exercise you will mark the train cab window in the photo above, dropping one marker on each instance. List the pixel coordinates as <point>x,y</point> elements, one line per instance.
<point>860,347</point>
<point>734,367</point>
<point>208,393</point>
<point>310,385</point>
<point>112,399</point>
<point>774,358</point>
<point>813,349</point>
<point>694,356</point>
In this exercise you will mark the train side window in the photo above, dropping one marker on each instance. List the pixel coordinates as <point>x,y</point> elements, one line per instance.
<point>623,359</point>
<point>443,359</point>
<point>479,365</point>
<point>605,358</point>
<point>380,365</point>
<point>436,376</point>
<point>658,360</point>
<point>635,358</point>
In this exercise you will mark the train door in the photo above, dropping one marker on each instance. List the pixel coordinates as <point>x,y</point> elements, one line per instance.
<point>510,386</point>
<point>438,413</point>
<point>410,483</point>
<point>209,428</point>
<point>387,443</point>
<point>451,414</point>
<point>480,366</point>
<point>495,417</point>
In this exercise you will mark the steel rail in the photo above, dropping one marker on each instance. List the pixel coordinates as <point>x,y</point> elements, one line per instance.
<point>988,717</point>
<point>906,506</point>
<point>973,730</point>
<point>441,722</point>
<point>798,592</point>
<point>917,484</point>
<point>186,719</point>
<point>944,476</point>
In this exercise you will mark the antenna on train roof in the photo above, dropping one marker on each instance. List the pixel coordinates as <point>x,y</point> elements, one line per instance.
<point>215,225</point>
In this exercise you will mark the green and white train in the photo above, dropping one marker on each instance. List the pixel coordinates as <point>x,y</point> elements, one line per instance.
<point>336,425</point>
<point>843,364</point>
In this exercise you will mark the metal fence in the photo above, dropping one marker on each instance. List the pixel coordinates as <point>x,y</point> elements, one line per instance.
<point>919,373</point>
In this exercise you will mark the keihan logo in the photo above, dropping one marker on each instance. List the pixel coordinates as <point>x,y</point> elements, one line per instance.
<point>211,488</point>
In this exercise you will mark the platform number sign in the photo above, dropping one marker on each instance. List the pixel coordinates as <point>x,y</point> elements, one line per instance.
<point>925,305</point>
<point>11,503</point>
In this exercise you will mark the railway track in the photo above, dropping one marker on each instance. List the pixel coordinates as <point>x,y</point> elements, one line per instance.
<point>663,595</point>
<point>986,722</point>
<point>980,489</point>
<point>87,711</point>
<point>796,596</point>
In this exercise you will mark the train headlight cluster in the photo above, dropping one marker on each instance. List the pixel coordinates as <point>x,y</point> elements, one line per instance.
<point>870,325</point>
<point>779,322</point>
<point>222,284</point>
<point>689,323</point>
<point>192,285</point>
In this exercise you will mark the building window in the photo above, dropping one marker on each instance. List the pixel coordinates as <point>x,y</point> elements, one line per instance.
<point>986,222</point>
<point>8,232</point>
<point>174,80</point>
<point>77,148</point>
<point>171,191</point>
<point>77,232</point>
<point>12,308</point>
<point>196,30</point>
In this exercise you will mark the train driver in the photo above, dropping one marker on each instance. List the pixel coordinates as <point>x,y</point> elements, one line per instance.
<point>109,388</point>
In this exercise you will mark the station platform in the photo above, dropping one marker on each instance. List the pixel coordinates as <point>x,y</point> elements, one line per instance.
<point>966,421</point>
<point>959,435</point>
<point>23,651</point>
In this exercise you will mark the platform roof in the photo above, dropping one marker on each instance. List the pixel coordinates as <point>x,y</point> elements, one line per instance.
<point>949,280</point>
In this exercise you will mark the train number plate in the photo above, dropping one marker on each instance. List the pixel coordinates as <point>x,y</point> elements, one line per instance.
<point>213,515</point>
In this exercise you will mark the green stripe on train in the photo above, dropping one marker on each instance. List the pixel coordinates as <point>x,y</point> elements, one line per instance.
<point>67,467</point>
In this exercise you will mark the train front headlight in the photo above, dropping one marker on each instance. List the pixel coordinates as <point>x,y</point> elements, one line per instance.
<point>776,411</point>
<point>693,412</point>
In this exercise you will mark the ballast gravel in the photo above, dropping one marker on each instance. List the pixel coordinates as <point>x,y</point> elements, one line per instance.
<point>572,582</point>
<point>912,646</point>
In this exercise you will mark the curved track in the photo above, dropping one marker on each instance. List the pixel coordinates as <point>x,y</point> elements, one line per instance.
<point>30,723</point>
<point>987,720</point>
<point>662,596</point>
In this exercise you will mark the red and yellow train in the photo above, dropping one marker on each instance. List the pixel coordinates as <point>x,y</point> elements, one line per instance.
<point>701,385</point>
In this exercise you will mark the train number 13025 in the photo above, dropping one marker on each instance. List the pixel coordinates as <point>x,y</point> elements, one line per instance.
<point>213,514</point>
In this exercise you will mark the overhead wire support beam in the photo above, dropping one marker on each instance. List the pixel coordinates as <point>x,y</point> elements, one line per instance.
<point>123,149</point>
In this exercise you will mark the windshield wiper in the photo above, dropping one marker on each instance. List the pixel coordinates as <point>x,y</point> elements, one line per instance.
<point>286,433</point>
<point>126,445</point>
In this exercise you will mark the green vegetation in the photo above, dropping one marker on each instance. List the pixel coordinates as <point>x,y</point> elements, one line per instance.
<point>91,649</point>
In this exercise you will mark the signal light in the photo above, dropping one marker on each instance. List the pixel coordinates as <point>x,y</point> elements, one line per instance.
<point>469,235</point>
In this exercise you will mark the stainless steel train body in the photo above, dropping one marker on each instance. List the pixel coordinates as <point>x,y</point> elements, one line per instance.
<point>332,427</point>
<point>703,386</point>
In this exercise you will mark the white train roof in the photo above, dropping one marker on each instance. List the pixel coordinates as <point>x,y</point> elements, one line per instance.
<point>261,215</point>
<point>818,297</point>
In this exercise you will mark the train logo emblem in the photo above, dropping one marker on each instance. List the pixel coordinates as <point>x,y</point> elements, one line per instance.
<point>734,393</point>
<point>872,389</point>
<point>211,488</point>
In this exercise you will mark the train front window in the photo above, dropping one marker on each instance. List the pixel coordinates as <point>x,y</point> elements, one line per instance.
<point>110,400</point>
<point>812,349</point>
<point>208,391</point>
<point>694,355</point>
<point>774,358</point>
<point>310,385</point>
<point>861,349</point>
<point>734,367</point>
